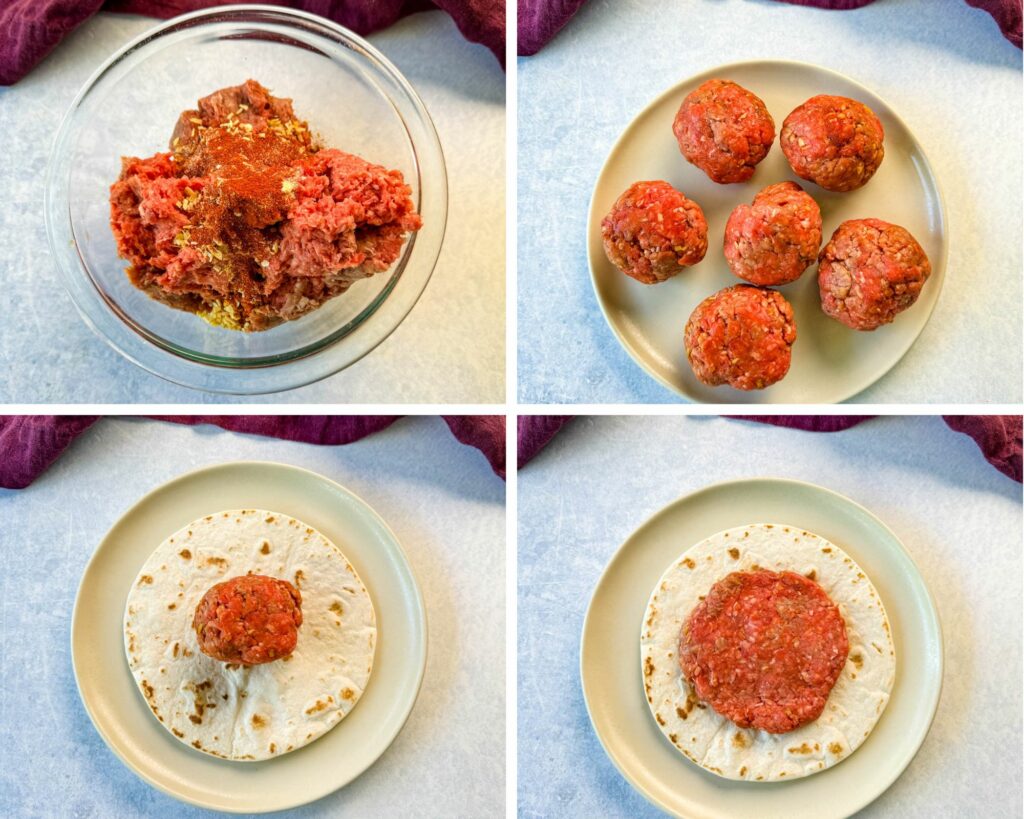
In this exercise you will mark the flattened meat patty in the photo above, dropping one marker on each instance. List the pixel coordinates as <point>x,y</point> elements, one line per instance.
<point>764,649</point>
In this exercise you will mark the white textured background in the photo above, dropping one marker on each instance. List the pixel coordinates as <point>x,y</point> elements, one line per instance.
<point>451,347</point>
<point>959,518</point>
<point>944,67</point>
<point>439,497</point>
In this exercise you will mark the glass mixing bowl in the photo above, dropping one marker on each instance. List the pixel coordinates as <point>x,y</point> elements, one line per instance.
<point>351,96</point>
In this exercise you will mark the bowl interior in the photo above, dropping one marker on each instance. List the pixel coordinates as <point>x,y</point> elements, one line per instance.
<point>339,89</point>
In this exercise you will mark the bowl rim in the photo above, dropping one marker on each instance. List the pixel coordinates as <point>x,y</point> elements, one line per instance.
<point>310,362</point>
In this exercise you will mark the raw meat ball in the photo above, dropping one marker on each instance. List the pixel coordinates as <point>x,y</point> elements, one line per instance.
<point>777,238</point>
<point>869,271</point>
<point>834,142</point>
<point>653,232</point>
<point>741,336</point>
<point>724,130</point>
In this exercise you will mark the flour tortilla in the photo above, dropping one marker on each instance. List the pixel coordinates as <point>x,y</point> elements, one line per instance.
<point>257,712</point>
<point>855,703</point>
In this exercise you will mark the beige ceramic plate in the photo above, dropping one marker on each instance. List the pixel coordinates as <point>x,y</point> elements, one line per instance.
<point>610,656</point>
<point>116,706</point>
<point>830,362</point>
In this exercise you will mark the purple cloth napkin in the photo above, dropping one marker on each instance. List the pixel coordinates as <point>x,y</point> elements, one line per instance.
<point>999,437</point>
<point>31,29</point>
<point>540,20</point>
<point>534,432</point>
<point>29,444</point>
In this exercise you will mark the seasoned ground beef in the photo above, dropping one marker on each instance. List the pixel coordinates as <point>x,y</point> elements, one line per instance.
<point>834,142</point>
<point>724,130</point>
<point>249,620</point>
<point>869,272</point>
<point>247,221</point>
<point>764,649</point>
<point>653,232</point>
<point>741,336</point>
<point>774,240</point>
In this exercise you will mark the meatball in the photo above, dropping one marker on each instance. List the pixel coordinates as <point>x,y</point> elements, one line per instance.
<point>653,232</point>
<point>869,271</point>
<point>724,130</point>
<point>249,620</point>
<point>741,336</point>
<point>834,142</point>
<point>777,238</point>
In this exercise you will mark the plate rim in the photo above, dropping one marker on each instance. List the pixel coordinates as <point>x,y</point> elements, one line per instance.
<point>944,218</point>
<point>891,774</point>
<point>188,798</point>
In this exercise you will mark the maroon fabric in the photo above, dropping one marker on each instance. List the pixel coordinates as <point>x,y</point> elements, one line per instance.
<point>31,29</point>
<point>999,437</point>
<point>29,444</point>
<point>486,433</point>
<point>326,430</point>
<point>533,433</point>
<point>813,423</point>
<point>540,20</point>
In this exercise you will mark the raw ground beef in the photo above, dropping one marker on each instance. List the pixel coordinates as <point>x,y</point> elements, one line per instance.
<point>777,238</point>
<point>764,649</point>
<point>835,142</point>
<point>251,619</point>
<point>247,221</point>
<point>724,130</point>
<point>653,231</point>
<point>741,336</point>
<point>869,272</point>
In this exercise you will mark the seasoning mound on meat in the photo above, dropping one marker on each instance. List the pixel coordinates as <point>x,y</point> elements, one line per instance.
<point>248,222</point>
